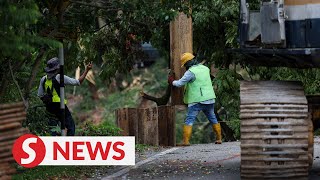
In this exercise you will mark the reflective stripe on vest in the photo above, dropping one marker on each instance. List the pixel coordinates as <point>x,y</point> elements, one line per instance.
<point>55,96</point>
<point>201,88</point>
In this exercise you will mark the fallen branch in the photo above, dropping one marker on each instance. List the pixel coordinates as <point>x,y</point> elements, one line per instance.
<point>159,101</point>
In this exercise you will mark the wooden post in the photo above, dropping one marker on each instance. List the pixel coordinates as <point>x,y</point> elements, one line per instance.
<point>148,126</point>
<point>152,126</point>
<point>127,120</point>
<point>180,42</point>
<point>167,125</point>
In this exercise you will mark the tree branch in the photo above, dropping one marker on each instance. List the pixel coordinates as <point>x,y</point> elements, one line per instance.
<point>3,85</point>
<point>159,101</point>
<point>17,85</point>
<point>89,4</point>
<point>35,68</point>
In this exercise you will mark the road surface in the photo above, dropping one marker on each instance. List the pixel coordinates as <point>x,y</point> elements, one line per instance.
<point>201,161</point>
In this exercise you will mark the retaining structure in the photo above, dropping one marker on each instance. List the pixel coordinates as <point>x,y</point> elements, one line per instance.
<point>152,126</point>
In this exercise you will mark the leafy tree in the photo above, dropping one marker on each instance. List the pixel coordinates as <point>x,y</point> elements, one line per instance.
<point>19,42</point>
<point>110,33</point>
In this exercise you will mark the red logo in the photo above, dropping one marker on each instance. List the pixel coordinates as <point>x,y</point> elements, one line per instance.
<point>29,150</point>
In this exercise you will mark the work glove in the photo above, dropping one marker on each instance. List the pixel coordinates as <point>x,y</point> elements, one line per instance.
<point>89,66</point>
<point>170,79</point>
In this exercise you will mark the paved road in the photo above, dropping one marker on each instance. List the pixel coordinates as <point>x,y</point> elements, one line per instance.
<point>202,161</point>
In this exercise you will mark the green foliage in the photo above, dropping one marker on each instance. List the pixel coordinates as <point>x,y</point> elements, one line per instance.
<point>124,99</point>
<point>309,77</point>
<point>15,19</point>
<point>141,147</point>
<point>16,31</point>
<point>155,82</point>
<point>215,29</point>
<point>104,129</point>
<point>37,121</point>
<point>226,85</point>
<point>19,45</point>
<point>115,47</point>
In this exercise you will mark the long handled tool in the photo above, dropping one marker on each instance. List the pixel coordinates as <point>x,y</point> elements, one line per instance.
<point>62,105</point>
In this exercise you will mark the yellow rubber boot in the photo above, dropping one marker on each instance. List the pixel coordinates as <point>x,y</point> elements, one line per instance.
<point>187,130</point>
<point>217,130</point>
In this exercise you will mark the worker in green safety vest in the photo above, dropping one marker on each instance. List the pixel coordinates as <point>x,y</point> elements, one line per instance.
<point>49,92</point>
<point>198,95</point>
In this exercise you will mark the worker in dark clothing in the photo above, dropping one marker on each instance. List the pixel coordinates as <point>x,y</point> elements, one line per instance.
<point>198,94</point>
<point>49,92</point>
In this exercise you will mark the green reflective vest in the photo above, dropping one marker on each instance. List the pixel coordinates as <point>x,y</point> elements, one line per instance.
<point>200,89</point>
<point>55,96</point>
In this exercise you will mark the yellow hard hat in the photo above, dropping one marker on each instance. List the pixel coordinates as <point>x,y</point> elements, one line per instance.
<point>185,58</point>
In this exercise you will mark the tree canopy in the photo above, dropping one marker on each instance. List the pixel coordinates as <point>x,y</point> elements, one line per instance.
<point>109,32</point>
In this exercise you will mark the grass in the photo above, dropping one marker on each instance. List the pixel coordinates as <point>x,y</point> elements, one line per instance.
<point>57,172</point>
<point>142,147</point>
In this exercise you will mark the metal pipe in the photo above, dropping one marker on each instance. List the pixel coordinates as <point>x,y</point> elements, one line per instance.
<point>62,105</point>
<point>244,12</point>
<point>281,18</point>
<point>244,22</point>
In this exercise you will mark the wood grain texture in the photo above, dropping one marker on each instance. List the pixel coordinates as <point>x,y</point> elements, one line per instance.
<point>180,42</point>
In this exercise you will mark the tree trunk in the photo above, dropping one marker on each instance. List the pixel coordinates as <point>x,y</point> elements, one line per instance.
<point>34,71</point>
<point>180,42</point>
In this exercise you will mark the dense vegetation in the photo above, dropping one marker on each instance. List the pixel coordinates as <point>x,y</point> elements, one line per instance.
<point>110,33</point>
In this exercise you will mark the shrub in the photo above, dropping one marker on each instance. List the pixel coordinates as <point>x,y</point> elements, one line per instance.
<point>37,120</point>
<point>104,129</point>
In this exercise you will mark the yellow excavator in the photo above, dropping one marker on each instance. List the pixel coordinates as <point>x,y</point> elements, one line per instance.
<point>277,118</point>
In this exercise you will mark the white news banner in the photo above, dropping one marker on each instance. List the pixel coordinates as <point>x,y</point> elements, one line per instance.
<point>31,150</point>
